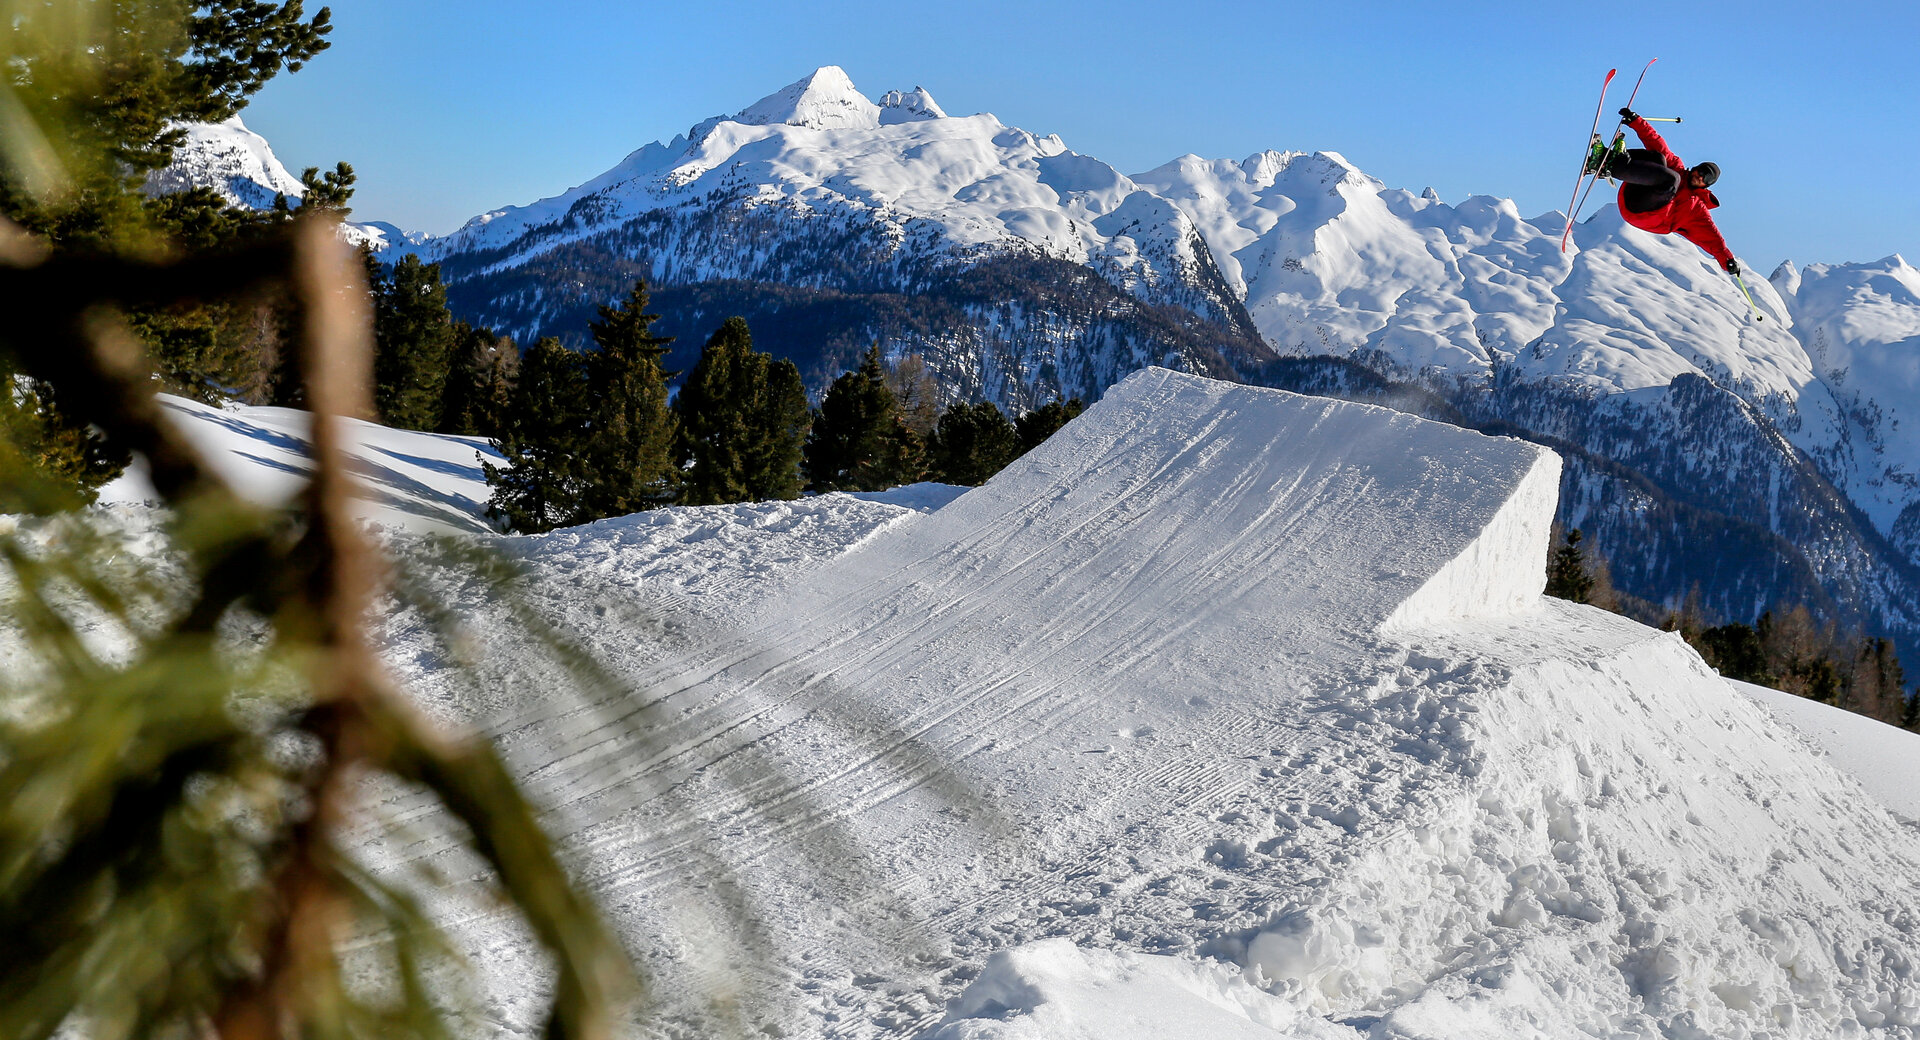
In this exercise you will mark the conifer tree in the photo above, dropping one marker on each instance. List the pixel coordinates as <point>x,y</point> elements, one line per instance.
<point>743,418</point>
<point>1735,652</point>
<point>714,410</point>
<point>1875,683</point>
<point>858,441</point>
<point>1567,576</point>
<point>544,483</point>
<point>630,459</point>
<point>780,431</point>
<point>47,462</point>
<point>971,444</point>
<point>1045,421</point>
<point>413,337</point>
<point>480,377</point>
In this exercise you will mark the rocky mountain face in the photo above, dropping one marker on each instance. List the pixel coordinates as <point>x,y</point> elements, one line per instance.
<point>1751,461</point>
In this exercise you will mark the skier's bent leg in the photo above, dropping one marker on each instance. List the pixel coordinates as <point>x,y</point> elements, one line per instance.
<point>1651,183</point>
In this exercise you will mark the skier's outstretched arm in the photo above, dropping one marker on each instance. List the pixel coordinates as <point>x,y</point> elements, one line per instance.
<point>1703,232</point>
<point>1650,138</point>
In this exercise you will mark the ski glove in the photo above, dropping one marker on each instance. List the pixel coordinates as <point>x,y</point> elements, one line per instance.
<point>1628,115</point>
<point>1732,267</point>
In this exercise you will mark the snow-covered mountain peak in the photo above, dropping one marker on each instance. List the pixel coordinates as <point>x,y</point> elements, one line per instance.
<point>908,106</point>
<point>823,100</point>
<point>1262,167</point>
<point>234,161</point>
<point>240,167</point>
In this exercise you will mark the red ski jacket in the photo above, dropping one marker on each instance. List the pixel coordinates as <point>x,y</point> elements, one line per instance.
<point>1687,213</point>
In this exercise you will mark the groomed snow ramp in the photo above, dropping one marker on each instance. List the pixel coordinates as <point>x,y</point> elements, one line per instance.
<point>1304,509</point>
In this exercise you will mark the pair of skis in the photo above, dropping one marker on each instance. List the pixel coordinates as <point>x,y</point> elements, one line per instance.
<point>1588,177</point>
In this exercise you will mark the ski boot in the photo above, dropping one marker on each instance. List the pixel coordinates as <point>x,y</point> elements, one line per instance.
<point>1604,159</point>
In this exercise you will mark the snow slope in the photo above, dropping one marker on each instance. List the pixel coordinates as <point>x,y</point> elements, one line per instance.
<point>1152,691</point>
<point>1884,759</point>
<point>1861,325</point>
<point>413,481</point>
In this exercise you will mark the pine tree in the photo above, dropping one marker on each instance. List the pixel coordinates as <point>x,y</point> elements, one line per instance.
<point>413,336</point>
<point>630,461</point>
<point>544,483</point>
<point>1735,652</point>
<point>480,378</point>
<point>971,444</point>
<point>714,410</point>
<point>780,430</point>
<point>858,441</point>
<point>90,95</point>
<point>1567,576</point>
<point>1045,421</point>
<point>1875,684</point>
<point>743,418</point>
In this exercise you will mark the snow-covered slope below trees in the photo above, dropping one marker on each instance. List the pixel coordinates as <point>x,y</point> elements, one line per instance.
<point>409,480</point>
<point>1144,723</point>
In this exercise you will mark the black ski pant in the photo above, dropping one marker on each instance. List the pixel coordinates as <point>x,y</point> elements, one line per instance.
<point>1650,182</point>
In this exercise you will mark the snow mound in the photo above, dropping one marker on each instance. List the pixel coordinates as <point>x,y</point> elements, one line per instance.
<point>1353,516</point>
<point>1053,990</point>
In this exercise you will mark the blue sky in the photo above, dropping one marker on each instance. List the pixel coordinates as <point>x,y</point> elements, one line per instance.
<point>1812,111</point>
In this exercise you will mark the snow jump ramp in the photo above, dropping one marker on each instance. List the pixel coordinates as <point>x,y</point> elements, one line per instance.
<point>1227,671</point>
<point>1209,503</point>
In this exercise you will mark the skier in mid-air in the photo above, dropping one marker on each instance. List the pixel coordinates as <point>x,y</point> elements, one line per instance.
<point>1661,194</point>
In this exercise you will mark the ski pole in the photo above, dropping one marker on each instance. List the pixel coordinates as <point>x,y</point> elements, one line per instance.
<point>1661,119</point>
<point>1737,280</point>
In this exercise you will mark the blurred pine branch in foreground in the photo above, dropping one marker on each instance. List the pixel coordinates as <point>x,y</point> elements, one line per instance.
<point>168,855</point>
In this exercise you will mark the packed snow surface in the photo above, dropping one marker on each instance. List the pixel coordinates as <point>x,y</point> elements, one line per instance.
<point>1885,759</point>
<point>426,482</point>
<point>1137,740</point>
